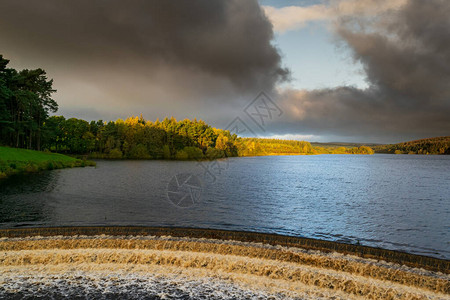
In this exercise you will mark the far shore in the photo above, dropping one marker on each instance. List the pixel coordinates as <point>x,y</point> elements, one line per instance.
<point>22,161</point>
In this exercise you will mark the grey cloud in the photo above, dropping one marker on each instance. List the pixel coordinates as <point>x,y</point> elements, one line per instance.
<point>406,56</point>
<point>206,59</point>
<point>186,51</point>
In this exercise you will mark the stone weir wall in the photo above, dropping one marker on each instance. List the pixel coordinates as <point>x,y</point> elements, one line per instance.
<point>411,260</point>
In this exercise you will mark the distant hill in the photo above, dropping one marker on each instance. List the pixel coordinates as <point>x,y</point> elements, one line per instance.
<point>436,145</point>
<point>265,146</point>
<point>343,144</point>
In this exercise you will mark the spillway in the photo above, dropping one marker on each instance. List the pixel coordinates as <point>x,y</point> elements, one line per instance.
<point>183,263</point>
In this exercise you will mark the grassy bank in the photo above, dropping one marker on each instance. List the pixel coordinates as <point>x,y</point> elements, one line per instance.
<point>15,161</point>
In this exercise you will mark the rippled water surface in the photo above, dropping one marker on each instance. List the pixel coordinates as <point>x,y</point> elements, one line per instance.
<point>397,202</point>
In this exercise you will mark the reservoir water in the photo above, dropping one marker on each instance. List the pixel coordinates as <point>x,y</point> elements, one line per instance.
<point>399,202</point>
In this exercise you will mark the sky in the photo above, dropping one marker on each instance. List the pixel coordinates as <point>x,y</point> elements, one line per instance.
<point>312,54</point>
<point>339,70</point>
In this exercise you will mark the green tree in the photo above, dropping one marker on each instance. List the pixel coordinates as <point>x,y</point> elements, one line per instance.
<point>139,152</point>
<point>25,104</point>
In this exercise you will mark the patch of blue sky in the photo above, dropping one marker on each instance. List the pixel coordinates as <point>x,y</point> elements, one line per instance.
<point>317,60</point>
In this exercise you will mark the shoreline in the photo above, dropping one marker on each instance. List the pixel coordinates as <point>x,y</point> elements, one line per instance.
<point>31,166</point>
<point>271,154</point>
<point>16,161</point>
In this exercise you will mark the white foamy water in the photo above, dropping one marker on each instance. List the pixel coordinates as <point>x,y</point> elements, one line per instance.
<point>120,285</point>
<point>107,267</point>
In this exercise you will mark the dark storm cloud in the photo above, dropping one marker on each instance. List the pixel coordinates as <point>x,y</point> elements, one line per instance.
<point>406,56</point>
<point>104,50</point>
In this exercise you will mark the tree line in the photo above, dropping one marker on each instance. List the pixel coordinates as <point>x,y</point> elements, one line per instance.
<point>437,145</point>
<point>137,138</point>
<point>267,146</point>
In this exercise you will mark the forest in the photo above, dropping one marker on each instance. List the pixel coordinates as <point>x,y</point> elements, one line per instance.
<point>26,105</point>
<point>437,145</point>
<point>137,138</point>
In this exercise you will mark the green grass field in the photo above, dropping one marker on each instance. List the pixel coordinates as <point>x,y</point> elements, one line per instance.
<point>14,161</point>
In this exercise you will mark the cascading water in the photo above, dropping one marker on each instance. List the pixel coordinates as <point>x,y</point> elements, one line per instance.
<point>163,267</point>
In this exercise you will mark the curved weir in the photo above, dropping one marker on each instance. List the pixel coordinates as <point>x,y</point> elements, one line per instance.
<point>155,262</point>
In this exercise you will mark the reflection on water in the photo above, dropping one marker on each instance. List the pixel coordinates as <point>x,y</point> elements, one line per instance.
<point>21,201</point>
<point>397,202</point>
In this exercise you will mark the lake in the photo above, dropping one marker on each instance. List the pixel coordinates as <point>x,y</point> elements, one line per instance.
<point>399,202</point>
